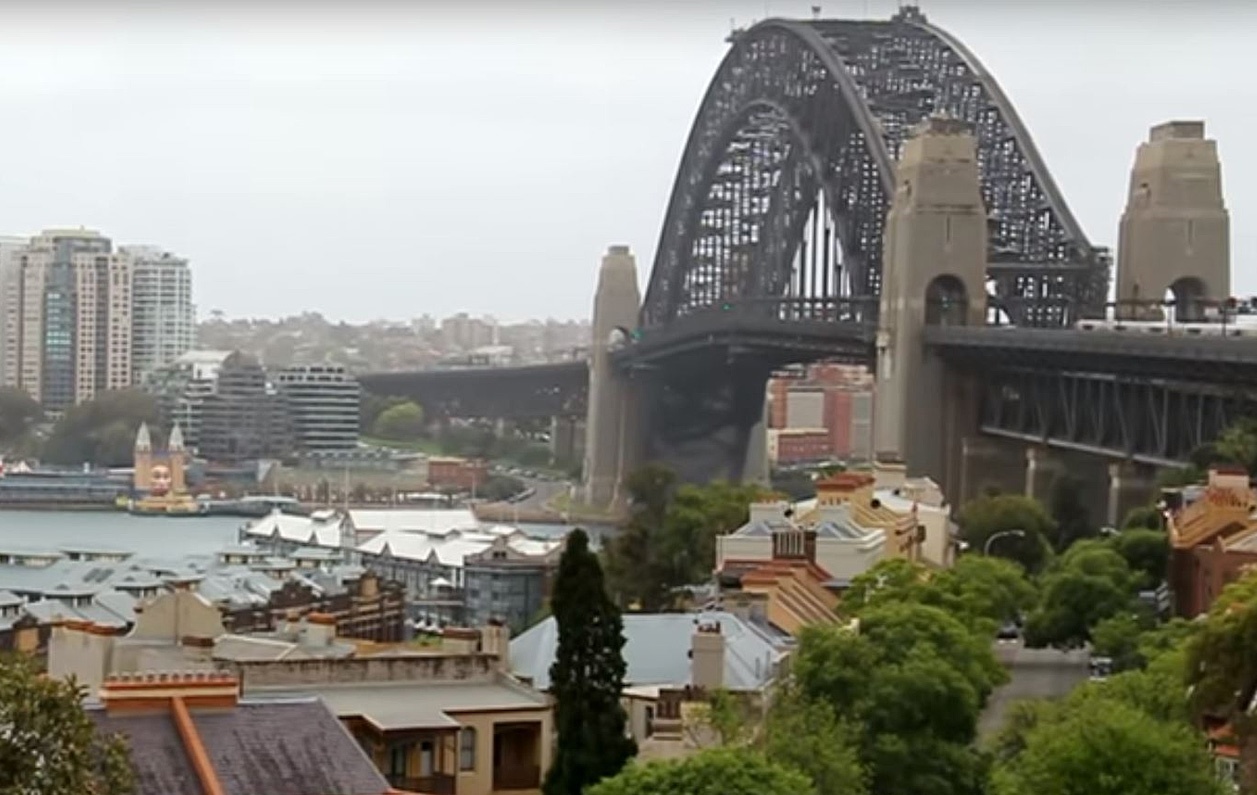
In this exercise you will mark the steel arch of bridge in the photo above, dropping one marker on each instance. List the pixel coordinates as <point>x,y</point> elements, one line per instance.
<point>805,114</point>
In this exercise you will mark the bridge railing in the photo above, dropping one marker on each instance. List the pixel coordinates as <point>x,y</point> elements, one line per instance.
<point>732,313</point>
<point>1062,312</point>
<point>795,310</point>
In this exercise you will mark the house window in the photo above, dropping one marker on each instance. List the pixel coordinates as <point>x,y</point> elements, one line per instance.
<point>467,749</point>
<point>397,761</point>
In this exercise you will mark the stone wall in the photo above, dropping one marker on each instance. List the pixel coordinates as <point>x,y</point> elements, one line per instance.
<point>417,668</point>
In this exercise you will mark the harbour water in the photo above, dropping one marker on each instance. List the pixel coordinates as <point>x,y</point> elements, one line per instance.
<point>146,536</point>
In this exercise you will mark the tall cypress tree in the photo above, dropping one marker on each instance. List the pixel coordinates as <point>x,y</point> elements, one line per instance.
<point>587,676</point>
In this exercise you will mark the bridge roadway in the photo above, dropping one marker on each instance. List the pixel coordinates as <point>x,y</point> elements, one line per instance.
<point>1214,360</point>
<point>1141,397</point>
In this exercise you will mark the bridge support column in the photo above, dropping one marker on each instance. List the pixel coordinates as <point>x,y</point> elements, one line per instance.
<point>1042,469</point>
<point>933,272</point>
<point>757,469</point>
<point>1175,232</point>
<point>987,465</point>
<point>564,441</point>
<point>1130,486</point>
<point>612,425</point>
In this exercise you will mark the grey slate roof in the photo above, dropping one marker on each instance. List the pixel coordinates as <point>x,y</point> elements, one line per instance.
<point>286,748</point>
<point>657,650</point>
<point>291,747</point>
<point>110,588</point>
<point>158,757</point>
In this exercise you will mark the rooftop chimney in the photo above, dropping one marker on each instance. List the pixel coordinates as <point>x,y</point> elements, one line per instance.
<point>707,656</point>
<point>318,629</point>
<point>495,639</point>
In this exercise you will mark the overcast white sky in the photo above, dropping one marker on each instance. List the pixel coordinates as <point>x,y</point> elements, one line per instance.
<point>388,160</point>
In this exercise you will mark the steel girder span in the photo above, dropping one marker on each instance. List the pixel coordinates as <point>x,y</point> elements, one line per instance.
<point>548,390</point>
<point>788,172</point>
<point>1156,422</point>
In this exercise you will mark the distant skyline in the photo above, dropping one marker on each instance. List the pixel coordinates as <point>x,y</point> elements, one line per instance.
<point>374,160</point>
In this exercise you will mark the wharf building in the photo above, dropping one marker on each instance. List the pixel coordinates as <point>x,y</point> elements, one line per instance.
<point>456,571</point>
<point>253,590</point>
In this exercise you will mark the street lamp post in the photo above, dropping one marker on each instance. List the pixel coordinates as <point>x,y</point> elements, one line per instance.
<point>986,548</point>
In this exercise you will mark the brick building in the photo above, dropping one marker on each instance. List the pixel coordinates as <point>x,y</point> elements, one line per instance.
<point>824,404</point>
<point>458,474</point>
<point>1213,537</point>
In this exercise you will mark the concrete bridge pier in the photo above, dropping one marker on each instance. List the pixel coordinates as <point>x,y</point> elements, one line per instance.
<point>757,469</point>
<point>566,440</point>
<point>1130,486</point>
<point>1043,467</point>
<point>933,273</point>
<point>612,425</point>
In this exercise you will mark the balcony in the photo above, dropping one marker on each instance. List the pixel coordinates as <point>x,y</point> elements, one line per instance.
<point>435,784</point>
<point>516,777</point>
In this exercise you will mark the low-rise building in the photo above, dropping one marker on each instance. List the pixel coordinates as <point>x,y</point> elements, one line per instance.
<point>798,445</point>
<point>192,733</point>
<point>439,720</point>
<point>252,590</point>
<point>1213,537</point>
<point>433,723</point>
<point>841,548</point>
<point>467,577</point>
<point>457,474</point>
<point>667,652</point>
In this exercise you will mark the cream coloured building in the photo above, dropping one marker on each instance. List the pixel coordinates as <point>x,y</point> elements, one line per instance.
<point>68,333</point>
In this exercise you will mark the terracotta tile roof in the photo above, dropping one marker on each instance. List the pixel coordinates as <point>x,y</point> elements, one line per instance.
<point>190,735</point>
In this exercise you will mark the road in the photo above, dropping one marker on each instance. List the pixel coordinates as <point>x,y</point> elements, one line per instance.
<point>533,508</point>
<point>1036,673</point>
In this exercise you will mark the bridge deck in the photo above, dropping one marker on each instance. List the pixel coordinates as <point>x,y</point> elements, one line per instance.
<point>1230,361</point>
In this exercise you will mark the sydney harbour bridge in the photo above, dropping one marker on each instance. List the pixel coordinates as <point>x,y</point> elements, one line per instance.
<point>774,247</point>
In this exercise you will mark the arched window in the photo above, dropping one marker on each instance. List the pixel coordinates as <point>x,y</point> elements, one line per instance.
<point>467,749</point>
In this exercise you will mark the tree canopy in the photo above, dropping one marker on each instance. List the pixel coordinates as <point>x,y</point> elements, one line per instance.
<point>1222,652</point>
<point>49,745</point>
<point>587,677</point>
<point>1088,584</point>
<point>982,518</point>
<point>1102,746</point>
<point>101,431</point>
<point>982,592</point>
<point>1068,512</point>
<point>401,422</point>
<point>669,539</point>
<point>717,771</point>
<point>19,413</point>
<point>914,679</point>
